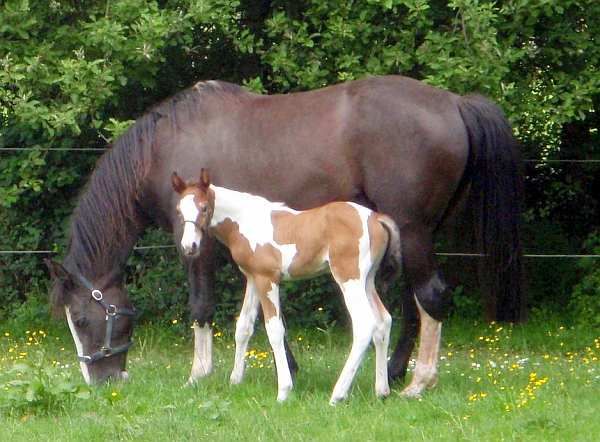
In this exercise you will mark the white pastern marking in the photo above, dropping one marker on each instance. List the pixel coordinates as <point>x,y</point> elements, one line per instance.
<point>425,374</point>
<point>79,346</point>
<point>202,364</point>
<point>363,327</point>
<point>276,333</point>
<point>244,328</point>
<point>190,212</point>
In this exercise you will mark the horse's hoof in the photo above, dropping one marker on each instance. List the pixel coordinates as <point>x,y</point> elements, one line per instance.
<point>411,392</point>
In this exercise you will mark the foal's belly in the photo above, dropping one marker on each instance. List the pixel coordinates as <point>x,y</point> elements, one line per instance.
<point>322,269</point>
<point>294,267</point>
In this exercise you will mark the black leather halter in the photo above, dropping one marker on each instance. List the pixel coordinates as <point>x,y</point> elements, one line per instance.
<point>112,312</point>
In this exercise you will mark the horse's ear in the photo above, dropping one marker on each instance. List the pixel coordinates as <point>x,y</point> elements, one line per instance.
<point>204,178</point>
<point>63,283</point>
<point>59,273</point>
<point>177,183</point>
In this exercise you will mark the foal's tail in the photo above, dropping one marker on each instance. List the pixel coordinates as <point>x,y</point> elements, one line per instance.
<point>393,252</point>
<point>493,171</point>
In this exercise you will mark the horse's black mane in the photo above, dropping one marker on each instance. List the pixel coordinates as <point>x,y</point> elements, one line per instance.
<point>107,218</point>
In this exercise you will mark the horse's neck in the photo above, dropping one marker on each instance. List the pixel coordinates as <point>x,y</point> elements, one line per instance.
<point>102,262</point>
<point>241,207</point>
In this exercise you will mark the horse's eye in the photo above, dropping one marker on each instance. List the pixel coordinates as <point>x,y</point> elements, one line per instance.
<point>81,322</point>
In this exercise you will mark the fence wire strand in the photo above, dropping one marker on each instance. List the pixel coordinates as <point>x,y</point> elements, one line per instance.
<point>102,149</point>
<point>446,254</point>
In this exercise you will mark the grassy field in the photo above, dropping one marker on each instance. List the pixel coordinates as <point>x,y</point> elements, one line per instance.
<point>534,382</point>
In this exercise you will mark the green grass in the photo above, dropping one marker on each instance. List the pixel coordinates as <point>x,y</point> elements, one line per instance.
<point>534,382</point>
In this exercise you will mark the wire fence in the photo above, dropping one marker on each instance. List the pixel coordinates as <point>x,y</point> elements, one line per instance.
<point>102,149</point>
<point>446,254</point>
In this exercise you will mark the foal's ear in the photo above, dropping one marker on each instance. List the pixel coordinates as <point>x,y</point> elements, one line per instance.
<point>177,183</point>
<point>204,178</point>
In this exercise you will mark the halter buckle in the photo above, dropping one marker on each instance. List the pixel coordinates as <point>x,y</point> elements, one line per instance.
<point>97,294</point>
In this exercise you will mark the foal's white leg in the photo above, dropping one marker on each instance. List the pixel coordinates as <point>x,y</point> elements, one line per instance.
<point>363,327</point>
<point>244,328</point>
<point>276,333</point>
<point>429,347</point>
<point>381,339</point>
<point>202,363</point>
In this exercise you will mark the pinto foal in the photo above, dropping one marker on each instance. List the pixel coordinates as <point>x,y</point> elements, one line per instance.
<point>270,242</point>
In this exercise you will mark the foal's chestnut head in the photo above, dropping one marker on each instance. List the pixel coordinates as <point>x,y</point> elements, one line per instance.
<point>195,207</point>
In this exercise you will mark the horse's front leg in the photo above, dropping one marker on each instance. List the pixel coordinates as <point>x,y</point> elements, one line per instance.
<point>201,279</point>
<point>244,329</point>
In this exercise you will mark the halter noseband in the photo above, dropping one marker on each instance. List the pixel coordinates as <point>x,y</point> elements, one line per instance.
<point>112,312</point>
<point>203,229</point>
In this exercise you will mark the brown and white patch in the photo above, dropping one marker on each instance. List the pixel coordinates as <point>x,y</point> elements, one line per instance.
<point>344,232</point>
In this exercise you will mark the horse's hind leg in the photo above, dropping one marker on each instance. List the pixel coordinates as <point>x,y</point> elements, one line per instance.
<point>244,328</point>
<point>363,328</point>
<point>201,279</point>
<point>425,374</point>
<point>381,338</point>
<point>427,295</point>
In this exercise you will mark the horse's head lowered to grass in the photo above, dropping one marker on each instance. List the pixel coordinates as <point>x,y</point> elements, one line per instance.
<point>100,318</point>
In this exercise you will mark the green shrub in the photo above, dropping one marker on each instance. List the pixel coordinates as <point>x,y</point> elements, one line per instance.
<point>584,303</point>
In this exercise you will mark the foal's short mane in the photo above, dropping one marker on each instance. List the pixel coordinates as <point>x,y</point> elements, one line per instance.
<point>108,216</point>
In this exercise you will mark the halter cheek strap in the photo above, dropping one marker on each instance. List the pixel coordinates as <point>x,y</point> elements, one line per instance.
<point>112,313</point>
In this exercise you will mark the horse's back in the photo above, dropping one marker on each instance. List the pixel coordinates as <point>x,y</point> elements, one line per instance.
<point>396,140</point>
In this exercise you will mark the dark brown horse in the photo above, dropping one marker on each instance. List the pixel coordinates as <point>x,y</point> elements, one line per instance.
<point>397,145</point>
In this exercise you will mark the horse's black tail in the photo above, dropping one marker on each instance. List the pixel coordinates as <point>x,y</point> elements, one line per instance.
<point>494,174</point>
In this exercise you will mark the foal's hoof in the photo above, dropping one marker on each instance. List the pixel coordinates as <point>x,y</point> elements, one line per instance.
<point>336,400</point>
<point>283,394</point>
<point>382,393</point>
<point>235,379</point>
<point>191,382</point>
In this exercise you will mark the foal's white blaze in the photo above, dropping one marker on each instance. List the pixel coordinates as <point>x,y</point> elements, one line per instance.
<point>202,363</point>
<point>191,235</point>
<point>79,346</point>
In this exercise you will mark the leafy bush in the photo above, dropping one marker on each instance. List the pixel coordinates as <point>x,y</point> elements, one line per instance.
<point>585,298</point>
<point>73,76</point>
